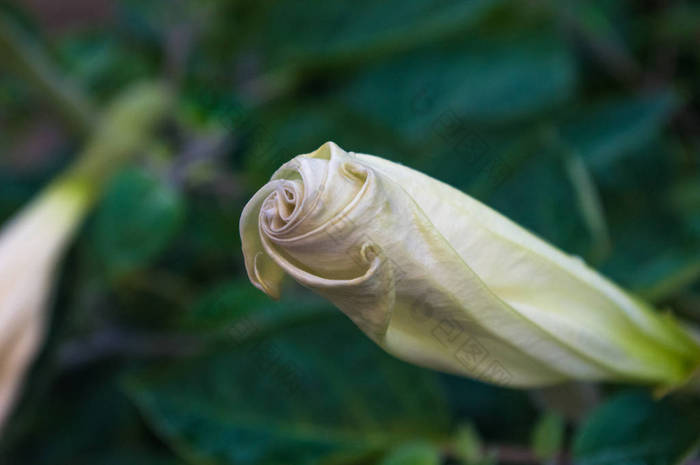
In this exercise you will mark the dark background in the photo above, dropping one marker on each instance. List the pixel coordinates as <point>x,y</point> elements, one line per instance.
<point>578,119</point>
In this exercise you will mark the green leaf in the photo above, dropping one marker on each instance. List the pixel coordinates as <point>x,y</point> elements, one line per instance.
<point>225,303</point>
<point>132,456</point>
<point>479,80</point>
<point>138,217</point>
<point>487,405</point>
<point>417,453</point>
<point>316,391</point>
<point>327,32</point>
<point>285,130</point>
<point>228,303</point>
<point>12,195</point>
<point>653,257</point>
<point>469,448</point>
<point>650,217</point>
<point>608,131</point>
<point>539,195</point>
<point>105,427</point>
<point>548,435</point>
<point>104,63</point>
<point>635,428</point>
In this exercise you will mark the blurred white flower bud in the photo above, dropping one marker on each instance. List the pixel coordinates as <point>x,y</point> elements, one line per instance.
<point>33,242</point>
<point>30,247</point>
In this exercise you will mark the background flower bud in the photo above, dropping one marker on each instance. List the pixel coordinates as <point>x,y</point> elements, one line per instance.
<point>33,242</point>
<point>29,249</point>
<point>441,280</point>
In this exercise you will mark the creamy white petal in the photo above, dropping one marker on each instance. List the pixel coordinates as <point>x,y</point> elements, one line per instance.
<point>30,247</point>
<point>551,289</point>
<point>441,280</point>
<point>32,243</point>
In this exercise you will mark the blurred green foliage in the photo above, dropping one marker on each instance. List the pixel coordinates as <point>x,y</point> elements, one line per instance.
<point>578,119</point>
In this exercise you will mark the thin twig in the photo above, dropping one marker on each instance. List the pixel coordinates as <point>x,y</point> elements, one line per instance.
<point>199,151</point>
<point>613,56</point>
<point>115,342</point>
<point>28,61</point>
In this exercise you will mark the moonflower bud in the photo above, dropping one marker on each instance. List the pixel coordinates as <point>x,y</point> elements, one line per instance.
<point>440,280</point>
<point>32,243</point>
<point>30,247</point>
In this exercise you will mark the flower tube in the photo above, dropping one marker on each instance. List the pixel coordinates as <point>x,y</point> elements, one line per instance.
<point>440,280</point>
<point>30,247</point>
<point>32,243</point>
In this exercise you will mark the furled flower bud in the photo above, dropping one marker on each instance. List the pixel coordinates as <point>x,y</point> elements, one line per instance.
<point>32,243</point>
<point>30,247</point>
<point>438,279</point>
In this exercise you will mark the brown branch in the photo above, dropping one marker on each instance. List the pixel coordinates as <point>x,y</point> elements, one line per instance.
<point>115,342</point>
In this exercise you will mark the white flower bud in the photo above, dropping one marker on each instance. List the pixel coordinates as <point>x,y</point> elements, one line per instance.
<point>30,247</point>
<point>439,279</point>
<point>32,243</point>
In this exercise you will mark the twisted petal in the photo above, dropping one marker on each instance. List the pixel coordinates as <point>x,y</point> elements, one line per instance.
<point>439,279</point>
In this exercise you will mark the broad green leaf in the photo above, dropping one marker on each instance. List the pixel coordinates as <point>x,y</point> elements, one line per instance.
<point>599,26</point>
<point>133,456</point>
<point>313,392</point>
<point>210,227</point>
<point>548,435</point>
<point>136,221</point>
<point>104,63</point>
<point>468,446</point>
<point>12,195</point>
<point>478,80</point>
<point>327,32</point>
<point>684,198</point>
<point>656,247</point>
<point>606,132</point>
<point>474,159</point>
<point>635,428</point>
<point>540,195</point>
<point>223,304</point>
<point>105,427</point>
<point>487,406</point>
<point>653,255</point>
<point>229,303</point>
<point>283,131</point>
<point>417,453</point>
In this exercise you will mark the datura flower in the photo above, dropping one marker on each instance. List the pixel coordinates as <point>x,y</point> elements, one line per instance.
<point>30,247</point>
<point>32,243</point>
<point>438,279</point>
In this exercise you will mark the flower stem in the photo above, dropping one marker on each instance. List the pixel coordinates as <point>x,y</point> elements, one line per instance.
<point>28,61</point>
<point>125,128</point>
